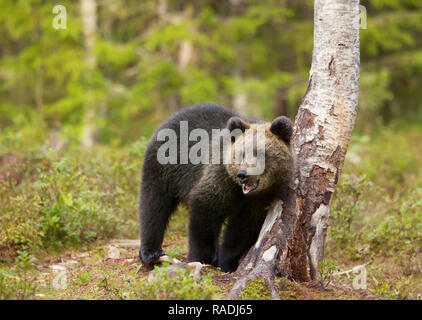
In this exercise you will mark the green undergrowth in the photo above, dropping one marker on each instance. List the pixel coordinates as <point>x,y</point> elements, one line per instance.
<point>376,214</point>
<point>169,283</point>
<point>75,200</point>
<point>51,200</point>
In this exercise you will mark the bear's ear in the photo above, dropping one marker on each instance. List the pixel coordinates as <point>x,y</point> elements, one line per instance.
<point>237,123</point>
<point>282,127</point>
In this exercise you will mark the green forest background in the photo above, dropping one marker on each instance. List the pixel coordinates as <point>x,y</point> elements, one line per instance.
<point>255,54</point>
<point>77,106</point>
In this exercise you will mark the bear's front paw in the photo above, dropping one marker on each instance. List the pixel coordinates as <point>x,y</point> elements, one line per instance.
<point>149,258</point>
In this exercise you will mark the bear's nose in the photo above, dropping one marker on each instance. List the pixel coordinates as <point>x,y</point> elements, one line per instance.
<point>243,176</point>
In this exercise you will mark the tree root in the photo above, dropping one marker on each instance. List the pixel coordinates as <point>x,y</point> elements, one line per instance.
<point>175,263</point>
<point>166,258</point>
<point>257,273</point>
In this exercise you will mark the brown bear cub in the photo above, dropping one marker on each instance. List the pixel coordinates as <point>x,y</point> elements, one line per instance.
<point>215,192</point>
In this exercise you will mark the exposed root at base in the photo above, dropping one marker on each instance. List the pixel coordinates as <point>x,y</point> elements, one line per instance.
<point>166,258</point>
<point>196,266</point>
<point>257,273</point>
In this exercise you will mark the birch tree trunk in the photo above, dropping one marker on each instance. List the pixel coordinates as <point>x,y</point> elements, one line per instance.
<point>291,242</point>
<point>89,22</point>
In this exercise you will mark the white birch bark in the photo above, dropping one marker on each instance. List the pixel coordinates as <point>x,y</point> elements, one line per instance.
<point>329,110</point>
<point>89,22</point>
<point>185,55</point>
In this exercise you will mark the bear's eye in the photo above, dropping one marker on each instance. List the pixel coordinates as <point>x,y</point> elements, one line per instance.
<point>234,134</point>
<point>237,152</point>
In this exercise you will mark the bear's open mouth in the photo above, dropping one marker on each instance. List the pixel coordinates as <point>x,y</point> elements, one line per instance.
<point>246,188</point>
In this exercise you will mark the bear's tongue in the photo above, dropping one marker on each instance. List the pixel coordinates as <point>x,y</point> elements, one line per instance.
<point>248,188</point>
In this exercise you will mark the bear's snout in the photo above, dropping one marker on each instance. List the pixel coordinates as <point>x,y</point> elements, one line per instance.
<point>243,176</point>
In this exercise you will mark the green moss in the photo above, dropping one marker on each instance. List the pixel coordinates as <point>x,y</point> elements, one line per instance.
<point>255,290</point>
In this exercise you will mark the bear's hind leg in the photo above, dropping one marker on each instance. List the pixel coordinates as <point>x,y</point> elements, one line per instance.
<point>240,235</point>
<point>204,230</point>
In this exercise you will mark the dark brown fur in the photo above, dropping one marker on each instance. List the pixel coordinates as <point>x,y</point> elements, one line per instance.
<point>212,192</point>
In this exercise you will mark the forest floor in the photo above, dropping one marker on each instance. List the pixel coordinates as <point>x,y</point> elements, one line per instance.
<point>62,211</point>
<point>110,270</point>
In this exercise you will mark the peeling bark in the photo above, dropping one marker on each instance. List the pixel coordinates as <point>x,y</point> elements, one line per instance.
<point>292,239</point>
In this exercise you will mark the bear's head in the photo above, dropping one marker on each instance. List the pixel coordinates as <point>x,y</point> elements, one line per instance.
<point>260,155</point>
